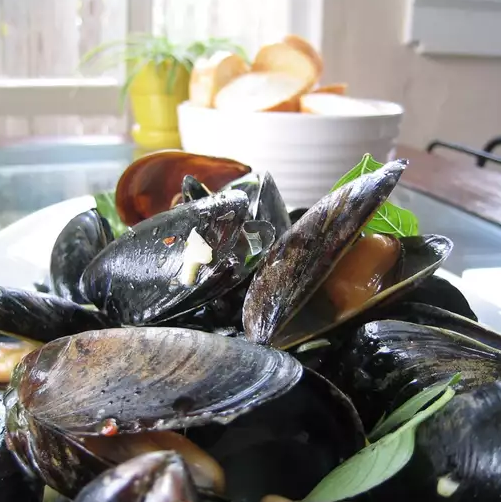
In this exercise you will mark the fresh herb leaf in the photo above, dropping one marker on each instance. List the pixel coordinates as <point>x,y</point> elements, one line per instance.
<point>105,205</point>
<point>389,219</point>
<point>375,463</point>
<point>410,408</point>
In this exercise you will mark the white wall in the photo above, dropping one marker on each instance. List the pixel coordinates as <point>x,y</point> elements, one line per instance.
<point>452,98</point>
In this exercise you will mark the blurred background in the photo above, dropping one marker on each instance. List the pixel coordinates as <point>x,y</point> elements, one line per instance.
<point>446,95</point>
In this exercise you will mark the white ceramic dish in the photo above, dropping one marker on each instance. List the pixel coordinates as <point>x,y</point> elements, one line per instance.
<point>26,245</point>
<point>305,153</point>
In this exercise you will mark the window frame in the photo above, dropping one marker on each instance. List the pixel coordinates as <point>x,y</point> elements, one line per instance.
<point>32,97</point>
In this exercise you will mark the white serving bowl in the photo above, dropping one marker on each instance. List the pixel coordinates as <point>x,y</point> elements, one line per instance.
<point>305,153</point>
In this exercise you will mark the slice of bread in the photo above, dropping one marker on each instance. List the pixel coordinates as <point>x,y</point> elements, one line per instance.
<point>284,58</point>
<point>334,105</point>
<point>306,48</point>
<point>332,89</point>
<point>210,75</point>
<point>261,91</point>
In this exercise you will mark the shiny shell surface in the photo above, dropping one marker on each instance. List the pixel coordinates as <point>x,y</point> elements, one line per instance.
<point>148,378</point>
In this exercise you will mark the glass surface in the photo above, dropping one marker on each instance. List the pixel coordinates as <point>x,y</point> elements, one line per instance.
<point>37,175</point>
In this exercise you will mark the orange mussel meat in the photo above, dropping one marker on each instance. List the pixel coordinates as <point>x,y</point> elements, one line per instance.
<point>151,184</point>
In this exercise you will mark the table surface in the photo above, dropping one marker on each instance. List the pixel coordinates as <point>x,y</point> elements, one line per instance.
<point>465,186</point>
<point>461,202</point>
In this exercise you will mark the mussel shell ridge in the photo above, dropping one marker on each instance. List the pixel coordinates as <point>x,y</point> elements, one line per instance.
<point>147,379</point>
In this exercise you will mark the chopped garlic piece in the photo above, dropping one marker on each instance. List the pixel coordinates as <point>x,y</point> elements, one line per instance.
<point>197,252</point>
<point>446,487</point>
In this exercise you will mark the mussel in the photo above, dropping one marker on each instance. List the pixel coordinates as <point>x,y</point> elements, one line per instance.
<point>383,363</point>
<point>157,477</point>
<point>457,456</point>
<point>78,396</point>
<point>149,274</point>
<point>77,245</point>
<point>151,184</point>
<point>230,350</point>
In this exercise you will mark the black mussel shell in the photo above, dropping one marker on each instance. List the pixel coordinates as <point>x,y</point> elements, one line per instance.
<point>430,315</point>
<point>457,456</point>
<point>250,184</point>
<point>157,477</point>
<point>287,445</point>
<point>56,457</point>
<point>270,206</point>
<point>136,279</point>
<point>15,482</point>
<point>296,214</point>
<point>305,254</point>
<point>440,293</point>
<point>147,379</point>
<point>77,245</point>
<point>420,257</point>
<point>384,363</point>
<point>192,189</point>
<point>42,317</point>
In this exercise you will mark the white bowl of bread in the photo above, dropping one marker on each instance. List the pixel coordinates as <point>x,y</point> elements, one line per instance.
<point>274,115</point>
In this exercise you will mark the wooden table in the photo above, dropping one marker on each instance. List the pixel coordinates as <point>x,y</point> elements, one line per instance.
<point>467,187</point>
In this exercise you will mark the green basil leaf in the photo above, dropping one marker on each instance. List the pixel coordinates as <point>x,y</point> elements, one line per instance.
<point>377,462</point>
<point>105,205</point>
<point>365,166</point>
<point>389,219</point>
<point>410,408</point>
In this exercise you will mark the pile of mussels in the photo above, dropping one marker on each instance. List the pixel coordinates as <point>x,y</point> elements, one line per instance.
<point>224,349</point>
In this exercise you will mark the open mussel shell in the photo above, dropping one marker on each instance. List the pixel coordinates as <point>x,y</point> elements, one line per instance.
<point>147,379</point>
<point>287,445</point>
<point>420,257</point>
<point>137,279</point>
<point>383,363</point>
<point>152,183</point>
<point>157,477</point>
<point>41,317</point>
<point>430,315</point>
<point>304,255</point>
<point>192,189</point>
<point>270,206</point>
<point>439,292</point>
<point>77,245</point>
<point>456,455</point>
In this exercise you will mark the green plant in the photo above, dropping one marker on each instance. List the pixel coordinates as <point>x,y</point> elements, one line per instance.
<point>139,50</point>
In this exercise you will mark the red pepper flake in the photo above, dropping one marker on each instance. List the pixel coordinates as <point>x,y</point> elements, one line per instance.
<point>168,241</point>
<point>108,427</point>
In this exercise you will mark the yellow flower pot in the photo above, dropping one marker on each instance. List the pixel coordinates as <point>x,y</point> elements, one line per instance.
<point>155,106</point>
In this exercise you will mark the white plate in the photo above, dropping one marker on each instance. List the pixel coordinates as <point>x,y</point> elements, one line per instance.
<point>26,245</point>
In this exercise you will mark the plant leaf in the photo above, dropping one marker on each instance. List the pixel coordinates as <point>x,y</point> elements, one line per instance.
<point>389,219</point>
<point>410,408</point>
<point>105,205</point>
<point>375,463</point>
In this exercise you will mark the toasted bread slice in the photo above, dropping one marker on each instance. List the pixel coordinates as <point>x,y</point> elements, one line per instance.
<point>210,75</point>
<point>261,91</point>
<point>306,48</point>
<point>337,106</point>
<point>332,89</point>
<point>284,58</point>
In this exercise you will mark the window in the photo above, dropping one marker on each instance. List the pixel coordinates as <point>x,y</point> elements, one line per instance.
<point>42,91</point>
